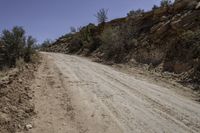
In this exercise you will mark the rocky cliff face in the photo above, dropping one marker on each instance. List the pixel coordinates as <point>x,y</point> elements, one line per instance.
<point>167,38</point>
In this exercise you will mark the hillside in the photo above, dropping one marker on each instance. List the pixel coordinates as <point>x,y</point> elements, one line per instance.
<point>166,38</point>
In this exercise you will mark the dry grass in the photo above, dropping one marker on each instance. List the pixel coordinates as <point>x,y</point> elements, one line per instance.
<point>35,58</point>
<point>3,72</point>
<point>20,63</point>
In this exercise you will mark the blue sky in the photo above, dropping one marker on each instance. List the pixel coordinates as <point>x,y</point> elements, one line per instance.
<point>52,18</point>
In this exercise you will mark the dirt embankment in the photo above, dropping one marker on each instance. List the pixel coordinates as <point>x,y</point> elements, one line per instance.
<point>16,94</point>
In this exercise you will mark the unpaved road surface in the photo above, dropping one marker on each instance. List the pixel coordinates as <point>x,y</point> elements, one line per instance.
<point>75,95</point>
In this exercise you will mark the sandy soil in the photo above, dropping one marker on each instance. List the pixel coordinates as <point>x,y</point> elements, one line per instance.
<point>75,95</point>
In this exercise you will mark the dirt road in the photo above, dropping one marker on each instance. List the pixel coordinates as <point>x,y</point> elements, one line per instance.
<point>75,95</point>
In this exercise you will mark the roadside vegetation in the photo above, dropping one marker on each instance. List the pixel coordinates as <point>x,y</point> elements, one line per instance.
<point>15,46</point>
<point>18,63</point>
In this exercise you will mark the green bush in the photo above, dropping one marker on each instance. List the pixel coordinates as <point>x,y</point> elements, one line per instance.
<point>135,13</point>
<point>46,43</point>
<point>155,7</point>
<point>118,42</point>
<point>89,37</point>
<point>75,44</point>
<point>15,45</point>
<point>191,39</point>
<point>165,3</point>
<point>28,49</point>
<point>112,43</point>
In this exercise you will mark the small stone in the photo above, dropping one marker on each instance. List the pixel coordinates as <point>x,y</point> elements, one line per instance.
<point>28,126</point>
<point>20,81</point>
<point>19,126</point>
<point>4,117</point>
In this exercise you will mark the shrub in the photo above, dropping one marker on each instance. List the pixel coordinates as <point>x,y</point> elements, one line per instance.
<point>89,37</point>
<point>28,50</point>
<point>72,29</point>
<point>14,46</point>
<point>191,39</point>
<point>46,43</point>
<point>107,42</point>
<point>75,44</point>
<point>135,13</point>
<point>155,7</point>
<point>102,15</point>
<point>2,52</point>
<point>112,44</point>
<point>118,42</point>
<point>13,42</point>
<point>185,50</point>
<point>165,3</point>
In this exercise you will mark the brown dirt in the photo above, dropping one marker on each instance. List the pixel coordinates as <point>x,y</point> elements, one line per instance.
<point>16,108</point>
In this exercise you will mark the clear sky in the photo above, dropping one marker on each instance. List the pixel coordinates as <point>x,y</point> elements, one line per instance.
<point>52,18</point>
